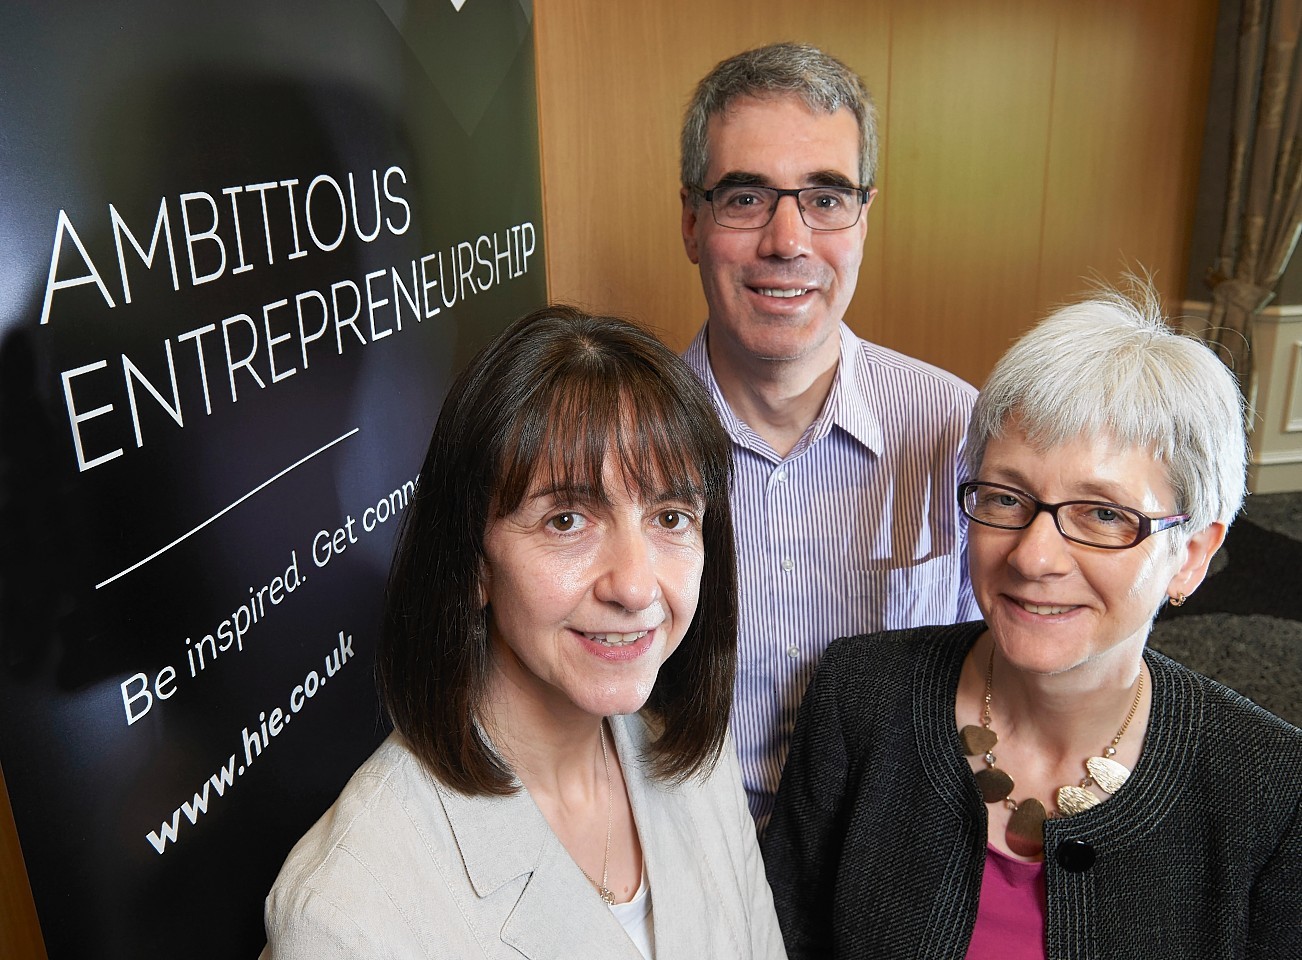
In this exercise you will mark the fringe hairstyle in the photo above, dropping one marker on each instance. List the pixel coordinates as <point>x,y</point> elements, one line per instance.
<point>553,395</point>
<point>1111,366</point>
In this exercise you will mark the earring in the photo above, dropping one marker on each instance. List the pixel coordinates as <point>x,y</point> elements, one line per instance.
<point>1178,600</point>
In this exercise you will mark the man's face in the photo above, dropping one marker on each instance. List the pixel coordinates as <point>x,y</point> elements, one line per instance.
<point>779,292</point>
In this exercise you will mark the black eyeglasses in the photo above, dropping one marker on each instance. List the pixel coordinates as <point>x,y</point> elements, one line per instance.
<point>1095,523</point>
<point>746,206</point>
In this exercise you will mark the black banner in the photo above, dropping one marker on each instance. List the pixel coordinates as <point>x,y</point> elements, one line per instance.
<point>245,247</point>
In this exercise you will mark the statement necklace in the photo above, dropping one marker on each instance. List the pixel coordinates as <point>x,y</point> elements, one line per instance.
<point>604,891</point>
<point>1025,833</point>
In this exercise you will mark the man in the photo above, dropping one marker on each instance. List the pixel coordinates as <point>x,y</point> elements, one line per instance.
<point>848,454</point>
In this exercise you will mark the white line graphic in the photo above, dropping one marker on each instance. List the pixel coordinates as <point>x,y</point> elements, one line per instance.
<point>227,509</point>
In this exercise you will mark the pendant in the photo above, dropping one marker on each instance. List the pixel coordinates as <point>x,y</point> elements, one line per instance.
<point>1025,831</point>
<point>1074,800</point>
<point>977,740</point>
<point>994,784</point>
<point>606,895</point>
<point>1108,774</point>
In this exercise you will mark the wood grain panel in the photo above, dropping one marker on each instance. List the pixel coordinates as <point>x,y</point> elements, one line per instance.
<point>20,933</point>
<point>1130,96</point>
<point>971,90</point>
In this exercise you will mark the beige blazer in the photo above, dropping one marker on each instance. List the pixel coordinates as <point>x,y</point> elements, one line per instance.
<point>403,867</point>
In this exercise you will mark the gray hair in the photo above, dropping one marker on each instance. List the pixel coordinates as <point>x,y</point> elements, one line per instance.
<point>780,69</point>
<point>1111,366</point>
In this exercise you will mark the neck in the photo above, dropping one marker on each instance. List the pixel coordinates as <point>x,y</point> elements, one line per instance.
<point>778,399</point>
<point>551,752</point>
<point>555,749</point>
<point>1067,716</point>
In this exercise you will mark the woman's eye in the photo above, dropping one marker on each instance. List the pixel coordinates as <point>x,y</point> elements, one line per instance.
<point>674,519</point>
<point>565,522</point>
<point>1106,515</point>
<point>1004,501</point>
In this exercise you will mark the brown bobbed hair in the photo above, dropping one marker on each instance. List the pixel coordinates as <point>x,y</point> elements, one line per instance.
<point>549,397</point>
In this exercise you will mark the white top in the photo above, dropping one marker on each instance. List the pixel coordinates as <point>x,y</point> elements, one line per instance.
<point>635,917</point>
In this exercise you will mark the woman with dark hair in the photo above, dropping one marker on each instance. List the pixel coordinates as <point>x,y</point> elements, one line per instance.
<point>557,660</point>
<point>1041,784</point>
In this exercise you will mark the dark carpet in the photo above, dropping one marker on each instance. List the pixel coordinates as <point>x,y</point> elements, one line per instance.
<point>1243,627</point>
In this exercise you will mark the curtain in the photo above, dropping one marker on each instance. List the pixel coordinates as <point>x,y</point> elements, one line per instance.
<point>1263,208</point>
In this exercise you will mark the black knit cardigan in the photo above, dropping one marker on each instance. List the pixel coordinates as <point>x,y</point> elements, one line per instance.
<point>877,845</point>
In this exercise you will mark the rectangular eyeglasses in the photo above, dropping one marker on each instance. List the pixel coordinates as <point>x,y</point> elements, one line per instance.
<point>747,206</point>
<point>1095,523</point>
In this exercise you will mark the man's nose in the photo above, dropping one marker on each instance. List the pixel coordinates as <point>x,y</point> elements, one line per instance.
<point>786,234</point>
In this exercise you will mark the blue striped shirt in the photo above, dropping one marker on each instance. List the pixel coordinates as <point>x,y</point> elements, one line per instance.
<point>856,530</point>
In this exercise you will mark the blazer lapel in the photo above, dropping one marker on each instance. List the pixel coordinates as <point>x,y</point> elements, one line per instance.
<point>498,837</point>
<point>559,917</point>
<point>505,841</point>
<point>677,869</point>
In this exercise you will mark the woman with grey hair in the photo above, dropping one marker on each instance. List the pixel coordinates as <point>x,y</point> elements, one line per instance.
<point>1040,783</point>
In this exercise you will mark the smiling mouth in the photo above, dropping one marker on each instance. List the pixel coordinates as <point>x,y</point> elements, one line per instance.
<point>616,639</point>
<point>781,292</point>
<point>1042,609</point>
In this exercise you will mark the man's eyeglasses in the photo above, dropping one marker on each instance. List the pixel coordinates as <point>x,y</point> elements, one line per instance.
<point>750,207</point>
<point>1095,523</point>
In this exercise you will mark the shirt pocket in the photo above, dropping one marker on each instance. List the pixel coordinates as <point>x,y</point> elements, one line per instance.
<point>917,595</point>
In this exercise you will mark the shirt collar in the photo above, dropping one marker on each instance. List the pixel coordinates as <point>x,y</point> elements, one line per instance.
<point>849,405</point>
<point>698,358</point>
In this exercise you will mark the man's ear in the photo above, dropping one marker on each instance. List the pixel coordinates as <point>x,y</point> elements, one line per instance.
<point>690,212</point>
<point>863,217</point>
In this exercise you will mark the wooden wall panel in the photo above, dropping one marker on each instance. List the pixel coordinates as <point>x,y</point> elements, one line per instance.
<point>1025,145</point>
<point>20,932</point>
<point>971,89</point>
<point>1130,91</point>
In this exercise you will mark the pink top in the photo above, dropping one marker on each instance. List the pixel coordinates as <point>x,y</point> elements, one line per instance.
<point>1011,912</point>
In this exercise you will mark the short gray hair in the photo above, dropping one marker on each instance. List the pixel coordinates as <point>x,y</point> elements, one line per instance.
<point>1111,366</point>
<point>823,82</point>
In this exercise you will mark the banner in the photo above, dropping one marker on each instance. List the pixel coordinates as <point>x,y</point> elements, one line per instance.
<point>246,246</point>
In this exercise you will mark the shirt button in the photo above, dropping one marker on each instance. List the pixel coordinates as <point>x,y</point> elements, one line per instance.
<point>781,476</point>
<point>793,651</point>
<point>788,564</point>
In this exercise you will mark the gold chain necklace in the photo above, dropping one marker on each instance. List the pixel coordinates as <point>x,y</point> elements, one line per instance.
<point>1025,832</point>
<point>604,891</point>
